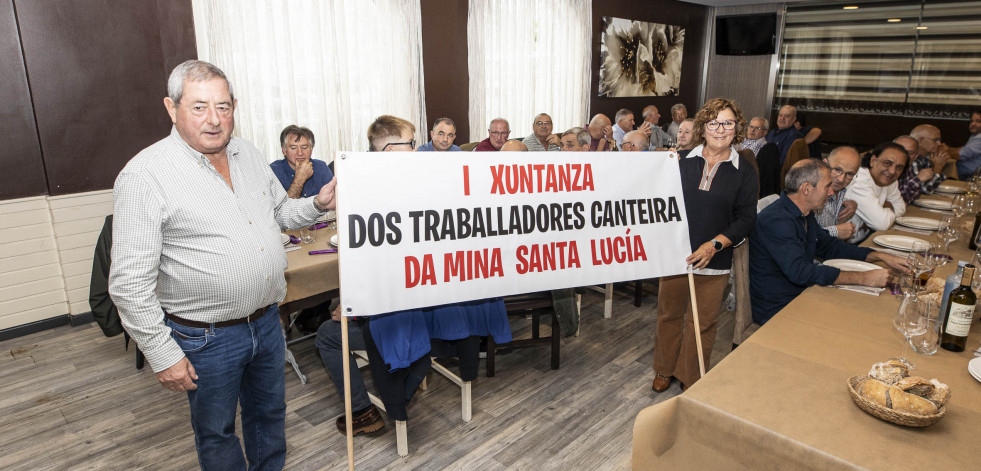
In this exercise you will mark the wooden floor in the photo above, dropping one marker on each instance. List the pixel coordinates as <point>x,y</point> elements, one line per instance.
<point>72,399</point>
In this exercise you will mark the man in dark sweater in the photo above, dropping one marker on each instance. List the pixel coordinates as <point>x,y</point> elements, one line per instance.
<point>787,238</point>
<point>785,134</point>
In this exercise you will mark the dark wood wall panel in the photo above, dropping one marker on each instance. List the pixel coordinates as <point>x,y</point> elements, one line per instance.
<point>98,77</point>
<point>20,154</point>
<point>694,18</point>
<point>444,59</point>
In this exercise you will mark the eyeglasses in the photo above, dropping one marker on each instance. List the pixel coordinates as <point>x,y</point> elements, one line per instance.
<point>838,171</point>
<point>500,133</point>
<point>543,123</point>
<point>758,128</point>
<point>411,143</point>
<point>727,125</point>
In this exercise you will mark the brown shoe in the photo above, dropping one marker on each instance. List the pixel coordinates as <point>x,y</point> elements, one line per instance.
<point>366,423</point>
<point>661,383</point>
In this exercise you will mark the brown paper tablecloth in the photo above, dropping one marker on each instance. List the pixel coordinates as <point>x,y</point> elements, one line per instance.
<point>780,400</point>
<point>310,275</point>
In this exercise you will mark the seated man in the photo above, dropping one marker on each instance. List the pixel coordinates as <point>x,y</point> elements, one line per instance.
<point>755,135</point>
<point>911,181</point>
<point>876,191</point>
<point>625,124</point>
<point>686,138</point>
<point>659,139</point>
<point>930,159</point>
<point>787,238</point>
<point>300,175</point>
<point>678,114</point>
<point>542,139</point>
<point>635,141</point>
<point>786,133</point>
<point>600,133</point>
<point>575,140</point>
<point>844,163</point>
<point>441,137</point>
<point>969,156</point>
<point>499,130</point>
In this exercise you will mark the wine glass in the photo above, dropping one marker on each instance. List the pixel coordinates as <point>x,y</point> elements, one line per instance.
<point>911,320</point>
<point>947,232</point>
<point>921,260</point>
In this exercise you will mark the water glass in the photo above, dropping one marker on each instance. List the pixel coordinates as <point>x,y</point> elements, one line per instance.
<point>928,342</point>
<point>308,234</point>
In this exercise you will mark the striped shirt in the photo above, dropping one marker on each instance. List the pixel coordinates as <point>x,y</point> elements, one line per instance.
<point>185,242</point>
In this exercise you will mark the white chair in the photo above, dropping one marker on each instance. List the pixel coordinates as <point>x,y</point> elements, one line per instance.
<point>401,430</point>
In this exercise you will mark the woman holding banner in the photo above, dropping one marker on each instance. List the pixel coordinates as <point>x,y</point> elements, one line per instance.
<point>720,201</point>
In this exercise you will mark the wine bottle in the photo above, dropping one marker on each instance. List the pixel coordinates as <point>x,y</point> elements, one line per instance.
<point>960,312</point>
<point>973,242</point>
<point>953,281</point>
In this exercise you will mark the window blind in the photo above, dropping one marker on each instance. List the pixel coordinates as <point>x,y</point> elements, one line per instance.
<point>911,58</point>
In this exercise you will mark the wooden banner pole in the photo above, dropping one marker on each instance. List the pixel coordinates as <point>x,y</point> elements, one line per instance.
<point>698,330</point>
<point>346,349</point>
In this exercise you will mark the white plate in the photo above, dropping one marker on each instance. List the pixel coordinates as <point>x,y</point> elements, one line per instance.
<point>948,187</point>
<point>918,223</point>
<point>285,238</point>
<point>333,240</point>
<point>851,265</point>
<point>933,203</point>
<point>974,367</point>
<point>897,242</point>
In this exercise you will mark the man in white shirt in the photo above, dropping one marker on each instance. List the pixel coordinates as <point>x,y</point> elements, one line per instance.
<point>198,270</point>
<point>678,114</point>
<point>659,139</point>
<point>755,135</point>
<point>876,191</point>
<point>625,124</point>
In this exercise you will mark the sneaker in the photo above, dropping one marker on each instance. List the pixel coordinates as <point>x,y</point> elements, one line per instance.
<point>366,423</point>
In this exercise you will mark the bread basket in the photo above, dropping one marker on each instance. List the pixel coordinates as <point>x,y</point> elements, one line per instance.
<point>890,415</point>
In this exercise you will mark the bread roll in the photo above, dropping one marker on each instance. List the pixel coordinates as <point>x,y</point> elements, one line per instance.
<point>916,385</point>
<point>875,391</point>
<point>935,284</point>
<point>889,372</point>
<point>940,394</point>
<point>910,403</point>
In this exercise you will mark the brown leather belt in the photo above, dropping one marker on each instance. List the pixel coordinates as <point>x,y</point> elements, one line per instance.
<point>207,325</point>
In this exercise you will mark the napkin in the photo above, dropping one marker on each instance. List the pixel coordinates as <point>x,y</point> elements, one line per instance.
<point>861,289</point>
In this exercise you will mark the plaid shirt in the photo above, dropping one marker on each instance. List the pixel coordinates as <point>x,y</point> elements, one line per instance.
<point>910,186</point>
<point>828,217</point>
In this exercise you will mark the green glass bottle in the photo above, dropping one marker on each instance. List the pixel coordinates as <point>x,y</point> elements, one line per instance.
<point>960,312</point>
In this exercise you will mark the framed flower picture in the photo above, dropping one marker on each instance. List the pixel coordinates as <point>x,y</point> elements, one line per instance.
<point>638,58</point>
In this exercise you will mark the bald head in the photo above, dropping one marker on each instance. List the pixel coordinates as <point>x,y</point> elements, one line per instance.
<point>910,144</point>
<point>597,124</point>
<point>786,116</point>
<point>514,146</point>
<point>928,137</point>
<point>635,141</point>
<point>844,162</point>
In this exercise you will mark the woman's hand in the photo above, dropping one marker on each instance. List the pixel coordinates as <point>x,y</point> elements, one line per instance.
<point>702,256</point>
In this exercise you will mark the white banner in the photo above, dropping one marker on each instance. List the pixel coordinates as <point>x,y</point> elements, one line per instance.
<point>421,229</point>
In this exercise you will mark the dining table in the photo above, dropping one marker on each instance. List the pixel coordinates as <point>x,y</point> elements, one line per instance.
<point>310,278</point>
<point>781,400</point>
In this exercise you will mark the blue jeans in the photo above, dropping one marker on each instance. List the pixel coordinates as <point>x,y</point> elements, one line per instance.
<point>329,344</point>
<point>242,363</point>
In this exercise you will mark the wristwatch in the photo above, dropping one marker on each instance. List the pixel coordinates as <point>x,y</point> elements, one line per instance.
<point>717,245</point>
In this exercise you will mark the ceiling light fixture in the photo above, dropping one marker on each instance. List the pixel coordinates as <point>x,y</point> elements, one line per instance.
<point>850,7</point>
<point>921,27</point>
<point>894,20</point>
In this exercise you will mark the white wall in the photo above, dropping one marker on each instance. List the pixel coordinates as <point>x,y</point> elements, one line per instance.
<point>46,248</point>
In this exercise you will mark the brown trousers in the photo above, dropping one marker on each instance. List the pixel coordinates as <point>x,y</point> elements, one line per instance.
<point>675,353</point>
